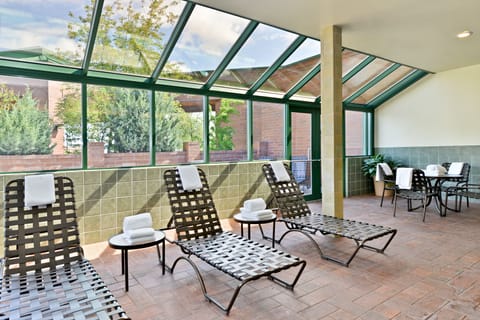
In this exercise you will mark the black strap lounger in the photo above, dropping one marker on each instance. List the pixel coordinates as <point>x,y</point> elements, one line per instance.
<point>200,234</point>
<point>297,217</point>
<point>45,275</point>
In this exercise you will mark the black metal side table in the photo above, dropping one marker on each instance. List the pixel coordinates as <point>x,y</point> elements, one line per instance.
<point>119,242</point>
<point>242,220</point>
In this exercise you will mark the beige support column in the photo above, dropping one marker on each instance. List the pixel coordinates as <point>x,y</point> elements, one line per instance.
<point>332,121</point>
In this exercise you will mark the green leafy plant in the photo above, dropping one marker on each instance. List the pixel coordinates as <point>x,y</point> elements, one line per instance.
<point>369,167</point>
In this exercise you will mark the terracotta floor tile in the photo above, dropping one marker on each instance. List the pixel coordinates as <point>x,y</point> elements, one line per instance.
<point>430,271</point>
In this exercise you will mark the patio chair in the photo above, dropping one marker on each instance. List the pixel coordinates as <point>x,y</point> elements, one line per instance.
<point>200,234</point>
<point>297,217</point>
<point>388,180</point>
<point>447,190</point>
<point>420,190</point>
<point>467,191</point>
<point>45,275</point>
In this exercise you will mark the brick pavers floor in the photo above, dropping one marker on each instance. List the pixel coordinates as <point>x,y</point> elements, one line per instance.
<point>430,271</point>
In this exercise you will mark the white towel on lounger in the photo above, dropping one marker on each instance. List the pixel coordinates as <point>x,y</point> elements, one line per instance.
<point>280,172</point>
<point>189,177</point>
<point>39,190</point>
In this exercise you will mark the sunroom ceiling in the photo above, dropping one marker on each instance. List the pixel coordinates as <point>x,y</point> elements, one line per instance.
<point>189,47</point>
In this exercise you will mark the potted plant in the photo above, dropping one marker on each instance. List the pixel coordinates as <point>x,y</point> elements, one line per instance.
<point>369,169</point>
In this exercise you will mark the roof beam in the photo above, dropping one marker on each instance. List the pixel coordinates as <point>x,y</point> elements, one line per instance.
<point>283,57</point>
<point>177,31</point>
<point>92,35</point>
<point>373,82</point>
<point>397,88</point>
<point>231,54</point>
<point>312,73</point>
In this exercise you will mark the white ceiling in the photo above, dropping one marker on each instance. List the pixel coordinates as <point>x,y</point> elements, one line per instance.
<point>418,33</point>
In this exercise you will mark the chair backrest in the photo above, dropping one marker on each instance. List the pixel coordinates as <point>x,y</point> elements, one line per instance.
<point>419,181</point>
<point>465,171</point>
<point>287,194</point>
<point>40,237</point>
<point>193,212</point>
<point>386,177</point>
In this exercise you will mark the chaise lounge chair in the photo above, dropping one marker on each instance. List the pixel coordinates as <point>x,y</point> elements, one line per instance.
<point>200,234</point>
<point>297,217</point>
<point>45,275</point>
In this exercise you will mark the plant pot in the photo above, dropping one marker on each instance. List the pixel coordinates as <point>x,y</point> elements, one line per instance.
<point>378,185</point>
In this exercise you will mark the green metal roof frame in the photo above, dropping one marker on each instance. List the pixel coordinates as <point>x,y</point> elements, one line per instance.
<point>85,75</point>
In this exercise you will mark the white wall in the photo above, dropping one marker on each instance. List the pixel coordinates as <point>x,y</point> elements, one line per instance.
<point>442,109</point>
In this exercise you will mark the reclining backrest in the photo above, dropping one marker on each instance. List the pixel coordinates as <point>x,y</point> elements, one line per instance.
<point>194,212</point>
<point>40,237</point>
<point>287,194</point>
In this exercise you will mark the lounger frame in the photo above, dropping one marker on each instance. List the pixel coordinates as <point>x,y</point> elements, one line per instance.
<point>200,234</point>
<point>297,217</point>
<point>45,275</point>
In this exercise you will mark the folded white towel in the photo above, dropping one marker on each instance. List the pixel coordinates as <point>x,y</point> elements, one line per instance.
<point>435,170</point>
<point>39,190</point>
<point>189,177</point>
<point>138,221</point>
<point>258,215</point>
<point>254,204</point>
<point>139,240</point>
<point>280,172</point>
<point>455,168</point>
<point>139,233</point>
<point>404,178</point>
<point>386,170</point>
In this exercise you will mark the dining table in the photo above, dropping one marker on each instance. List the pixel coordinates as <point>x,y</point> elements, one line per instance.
<point>436,182</point>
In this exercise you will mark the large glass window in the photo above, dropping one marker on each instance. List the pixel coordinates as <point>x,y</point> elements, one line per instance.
<point>179,128</point>
<point>354,133</point>
<point>268,131</point>
<point>118,126</point>
<point>39,125</point>
<point>228,129</point>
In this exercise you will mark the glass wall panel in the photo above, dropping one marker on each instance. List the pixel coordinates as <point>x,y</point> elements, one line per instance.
<point>228,129</point>
<point>45,31</point>
<point>132,34</point>
<point>262,49</point>
<point>179,128</point>
<point>293,69</point>
<point>39,125</point>
<point>365,75</point>
<point>268,131</point>
<point>118,127</point>
<point>354,133</point>
<point>384,84</point>
<point>201,48</point>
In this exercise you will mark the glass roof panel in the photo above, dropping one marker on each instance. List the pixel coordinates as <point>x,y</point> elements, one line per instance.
<point>261,49</point>
<point>350,59</point>
<point>201,48</point>
<point>310,91</point>
<point>45,31</point>
<point>373,69</point>
<point>293,69</point>
<point>383,84</point>
<point>132,34</point>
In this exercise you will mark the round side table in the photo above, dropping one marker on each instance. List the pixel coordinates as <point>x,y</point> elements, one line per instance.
<point>119,242</point>
<point>242,220</point>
